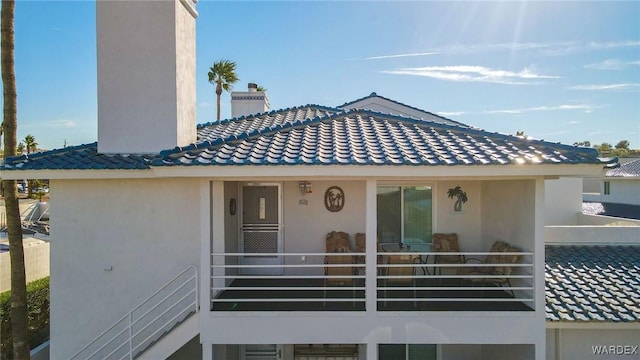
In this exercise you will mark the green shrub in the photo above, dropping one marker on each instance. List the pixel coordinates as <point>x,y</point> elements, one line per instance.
<point>38,313</point>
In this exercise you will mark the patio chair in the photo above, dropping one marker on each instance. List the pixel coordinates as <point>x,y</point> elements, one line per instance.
<point>401,275</point>
<point>446,243</point>
<point>336,240</point>
<point>344,275</point>
<point>502,256</point>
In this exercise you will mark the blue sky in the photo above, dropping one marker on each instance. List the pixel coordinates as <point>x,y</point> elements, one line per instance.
<point>560,71</point>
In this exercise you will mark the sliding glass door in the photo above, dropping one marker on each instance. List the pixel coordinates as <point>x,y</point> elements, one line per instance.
<point>405,215</point>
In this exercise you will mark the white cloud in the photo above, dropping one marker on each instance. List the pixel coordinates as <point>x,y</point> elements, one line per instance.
<point>574,122</point>
<point>623,86</point>
<point>205,104</point>
<point>400,55</point>
<point>566,107</point>
<point>451,113</point>
<point>548,49</point>
<point>613,44</point>
<point>468,73</point>
<point>609,64</point>
<point>62,123</point>
<point>584,108</point>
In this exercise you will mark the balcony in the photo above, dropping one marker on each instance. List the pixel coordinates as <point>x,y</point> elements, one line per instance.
<point>415,284</point>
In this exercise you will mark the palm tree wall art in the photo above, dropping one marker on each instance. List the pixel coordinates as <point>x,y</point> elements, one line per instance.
<point>459,195</point>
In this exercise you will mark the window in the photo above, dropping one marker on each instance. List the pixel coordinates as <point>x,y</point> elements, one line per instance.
<point>607,187</point>
<point>407,352</point>
<point>405,215</point>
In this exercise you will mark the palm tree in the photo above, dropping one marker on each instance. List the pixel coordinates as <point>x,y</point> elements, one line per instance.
<point>460,195</point>
<point>20,148</point>
<point>29,143</point>
<point>223,75</point>
<point>14,228</point>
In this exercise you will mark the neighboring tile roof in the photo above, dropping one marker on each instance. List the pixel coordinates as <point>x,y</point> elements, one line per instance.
<point>592,283</point>
<point>316,135</point>
<point>630,169</point>
<point>225,129</point>
<point>81,157</point>
<point>374,95</point>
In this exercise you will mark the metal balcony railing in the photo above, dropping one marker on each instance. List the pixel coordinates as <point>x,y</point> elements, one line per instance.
<point>410,281</point>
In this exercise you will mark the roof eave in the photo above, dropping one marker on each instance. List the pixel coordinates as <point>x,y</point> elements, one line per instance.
<point>380,171</point>
<point>602,325</point>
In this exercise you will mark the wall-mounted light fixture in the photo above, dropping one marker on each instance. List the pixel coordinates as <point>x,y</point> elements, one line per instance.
<point>305,187</point>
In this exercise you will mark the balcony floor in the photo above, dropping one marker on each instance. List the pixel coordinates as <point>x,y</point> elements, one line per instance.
<point>251,299</point>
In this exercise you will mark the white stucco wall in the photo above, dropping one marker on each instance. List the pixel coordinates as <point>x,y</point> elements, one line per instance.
<point>623,191</point>
<point>508,211</point>
<point>245,103</point>
<point>570,344</point>
<point>467,223</point>
<point>144,231</point>
<point>306,226</point>
<point>143,105</point>
<point>185,73</point>
<point>36,258</point>
<point>595,235</point>
<point>563,201</point>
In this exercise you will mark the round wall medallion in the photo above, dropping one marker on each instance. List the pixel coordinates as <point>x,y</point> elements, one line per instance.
<point>334,199</point>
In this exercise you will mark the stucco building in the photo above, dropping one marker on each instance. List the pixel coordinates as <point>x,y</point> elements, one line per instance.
<point>169,234</point>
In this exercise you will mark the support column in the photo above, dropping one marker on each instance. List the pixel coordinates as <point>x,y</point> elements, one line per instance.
<point>217,232</point>
<point>538,269</point>
<point>207,351</point>
<point>372,248</point>
<point>205,245</point>
<point>372,351</point>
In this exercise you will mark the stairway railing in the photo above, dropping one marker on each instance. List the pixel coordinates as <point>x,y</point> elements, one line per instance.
<point>148,322</point>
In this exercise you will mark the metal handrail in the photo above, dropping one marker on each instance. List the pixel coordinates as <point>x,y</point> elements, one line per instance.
<point>223,273</point>
<point>130,322</point>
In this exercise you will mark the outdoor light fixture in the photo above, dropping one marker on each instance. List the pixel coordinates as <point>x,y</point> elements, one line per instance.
<point>305,187</point>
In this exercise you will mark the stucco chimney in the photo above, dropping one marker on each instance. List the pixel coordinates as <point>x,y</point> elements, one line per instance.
<point>146,75</point>
<point>249,102</point>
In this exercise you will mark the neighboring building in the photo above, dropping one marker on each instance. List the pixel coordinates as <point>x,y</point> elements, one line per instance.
<point>167,235</point>
<point>593,301</point>
<point>619,191</point>
<point>592,279</point>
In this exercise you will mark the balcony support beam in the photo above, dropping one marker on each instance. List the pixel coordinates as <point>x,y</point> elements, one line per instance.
<point>371,246</point>
<point>538,267</point>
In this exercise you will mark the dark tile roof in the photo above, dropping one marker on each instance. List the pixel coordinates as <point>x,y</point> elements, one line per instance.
<point>374,95</point>
<point>314,134</point>
<point>592,283</point>
<point>226,129</point>
<point>364,137</point>
<point>81,157</point>
<point>630,169</point>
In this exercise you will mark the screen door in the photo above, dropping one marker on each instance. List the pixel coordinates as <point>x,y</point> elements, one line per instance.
<point>261,230</point>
